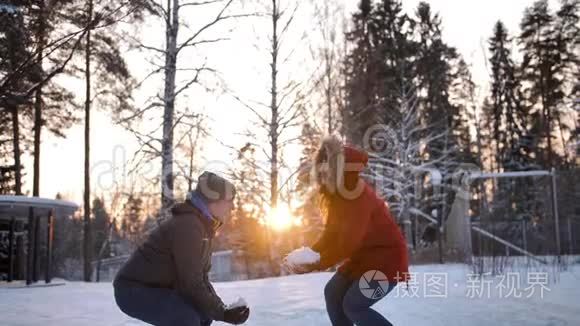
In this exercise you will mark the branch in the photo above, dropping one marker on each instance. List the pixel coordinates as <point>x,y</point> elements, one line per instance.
<point>60,42</point>
<point>288,23</point>
<point>262,119</point>
<point>205,42</point>
<point>268,156</point>
<point>288,141</point>
<point>140,136</point>
<point>291,87</point>
<point>217,19</point>
<point>286,123</point>
<point>147,47</point>
<point>154,72</point>
<point>160,8</point>
<point>201,3</point>
<point>140,112</point>
<point>56,71</point>
<point>239,152</point>
<point>192,81</point>
<point>191,127</point>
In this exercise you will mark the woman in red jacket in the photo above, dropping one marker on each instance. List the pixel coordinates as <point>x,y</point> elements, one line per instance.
<point>360,233</point>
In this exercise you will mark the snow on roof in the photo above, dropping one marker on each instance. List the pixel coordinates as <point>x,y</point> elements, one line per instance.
<point>509,174</point>
<point>19,207</point>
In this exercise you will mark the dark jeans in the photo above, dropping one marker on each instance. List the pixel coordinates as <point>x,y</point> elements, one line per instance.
<point>158,306</point>
<point>346,304</point>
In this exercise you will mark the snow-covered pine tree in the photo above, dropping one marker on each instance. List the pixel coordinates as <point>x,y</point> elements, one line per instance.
<point>397,165</point>
<point>434,75</point>
<point>399,79</point>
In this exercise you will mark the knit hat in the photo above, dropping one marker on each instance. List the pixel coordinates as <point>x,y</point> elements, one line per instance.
<point>212,187</point>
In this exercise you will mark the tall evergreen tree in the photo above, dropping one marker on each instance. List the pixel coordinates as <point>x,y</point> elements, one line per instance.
<point>101,228</point>
<point>33,70</point>
<point>378,66</point>
<point>132,225</point>
<point>465,121</point>
<point>508,119</point>
<point>360,74</point>
<point>108,82</point>
<point>53,104</point>
<point>508,110</point>
<point>435,78</point>
<point>15,41</point>
<point>434,81</point>
<point>433,64</point>
<point>6,165</point>
<point>567,25</point>
<point>550,54</point>
<point>394,58</point>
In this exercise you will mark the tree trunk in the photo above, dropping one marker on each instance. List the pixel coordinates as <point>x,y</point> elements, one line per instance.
<point>193,145</point>
<point>40,37</point>
<point>329,88</point>
<point>274,109</point>
<point>16,150</point>
<point>273,132</point>
<point>87,243</point>
<point>172,26</point>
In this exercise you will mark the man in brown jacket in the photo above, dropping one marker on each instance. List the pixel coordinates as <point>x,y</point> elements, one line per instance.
<point>165,281</point>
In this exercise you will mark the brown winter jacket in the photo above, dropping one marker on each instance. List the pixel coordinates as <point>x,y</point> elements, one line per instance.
<point>177,255</point>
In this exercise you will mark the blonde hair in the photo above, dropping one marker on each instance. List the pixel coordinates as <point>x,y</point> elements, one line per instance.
<point>327,170</point>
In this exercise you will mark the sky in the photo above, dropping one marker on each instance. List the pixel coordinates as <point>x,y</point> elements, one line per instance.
<point>466,25</point>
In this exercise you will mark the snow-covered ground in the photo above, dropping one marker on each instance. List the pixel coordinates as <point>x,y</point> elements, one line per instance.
<point>443,295</point>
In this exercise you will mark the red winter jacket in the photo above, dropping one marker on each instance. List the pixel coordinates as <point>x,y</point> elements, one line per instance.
<point>360,231</point>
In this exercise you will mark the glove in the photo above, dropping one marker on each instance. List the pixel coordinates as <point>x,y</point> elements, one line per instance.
<point>237,315</point>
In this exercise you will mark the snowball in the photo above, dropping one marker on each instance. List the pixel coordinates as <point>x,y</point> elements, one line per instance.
<point>238,303</point>
<point>303,256</point>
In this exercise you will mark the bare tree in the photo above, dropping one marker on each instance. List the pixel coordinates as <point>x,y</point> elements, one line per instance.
<point>179,74</point>
<point>330,52</point>
<point>280,112</point>
<point>194,136</point>
<point>397,162</point>
<point>286,94</point>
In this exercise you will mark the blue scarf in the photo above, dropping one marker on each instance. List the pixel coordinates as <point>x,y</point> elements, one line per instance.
<point>199,202</point>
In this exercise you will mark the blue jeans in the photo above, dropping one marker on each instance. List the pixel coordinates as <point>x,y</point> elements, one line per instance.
<point>346,305</point>
<point>158,306</point>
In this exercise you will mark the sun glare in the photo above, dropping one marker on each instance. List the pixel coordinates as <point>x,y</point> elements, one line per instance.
<point>281,218</point>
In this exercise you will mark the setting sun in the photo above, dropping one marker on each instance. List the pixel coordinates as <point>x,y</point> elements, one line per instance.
<point>281,218</point>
